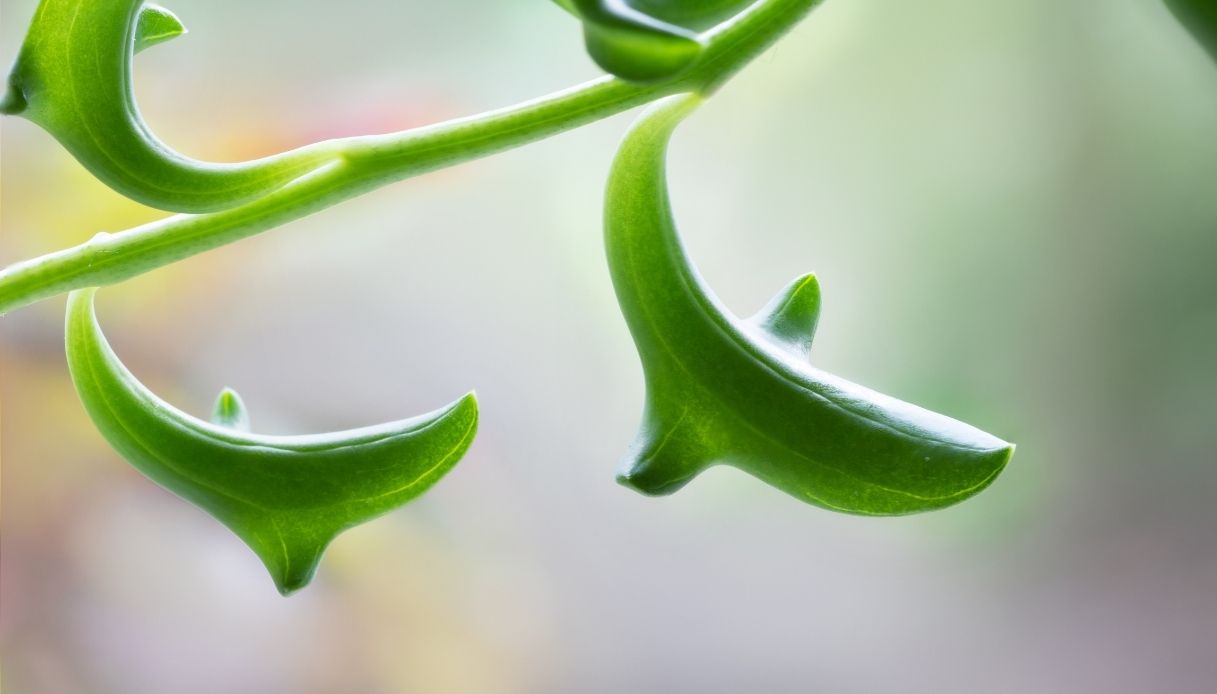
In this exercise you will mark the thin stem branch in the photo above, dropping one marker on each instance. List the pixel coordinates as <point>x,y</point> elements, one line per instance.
<point>364,163</point>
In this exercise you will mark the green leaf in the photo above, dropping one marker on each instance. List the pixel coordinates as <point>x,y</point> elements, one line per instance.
<point>73,78</point>
<point>287,497</point>
<point>648,40</point>
<point>1200,17</point>
<point>724,390</point>
<point>631,44</point>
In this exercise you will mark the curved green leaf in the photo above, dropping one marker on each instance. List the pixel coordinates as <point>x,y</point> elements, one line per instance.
<point>648,40</point>
<point>723,390</point>
<point>1200,17</point>
<point>72,77</point>
<point>287,497</point>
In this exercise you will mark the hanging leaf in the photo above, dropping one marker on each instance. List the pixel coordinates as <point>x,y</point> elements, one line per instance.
<point>287,497</point>
<point>73,78</point>
<point>725,390</point>
<point>648,40</point>
<point>1200,17</point>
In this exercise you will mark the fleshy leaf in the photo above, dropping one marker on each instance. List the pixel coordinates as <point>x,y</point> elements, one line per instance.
<point>73,78</point>
<point>722,391</point>
<point>633,45</point>
<point>1200,17</point>
<point>287,497</point>
<point>648,40</point>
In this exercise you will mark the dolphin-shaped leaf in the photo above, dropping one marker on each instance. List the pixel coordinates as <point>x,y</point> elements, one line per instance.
<point>648,40</point>
<point>1200,17</point>
<point>287,497</point>
<point>72,77</point>
<point>725,390</point>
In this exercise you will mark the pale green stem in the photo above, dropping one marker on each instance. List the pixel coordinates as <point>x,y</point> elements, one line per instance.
<point>364,163</point>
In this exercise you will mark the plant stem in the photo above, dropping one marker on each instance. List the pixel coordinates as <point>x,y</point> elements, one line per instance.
<point>362,164</point>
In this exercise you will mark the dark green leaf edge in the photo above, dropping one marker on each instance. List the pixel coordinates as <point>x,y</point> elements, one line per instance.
<point>1200,17</point>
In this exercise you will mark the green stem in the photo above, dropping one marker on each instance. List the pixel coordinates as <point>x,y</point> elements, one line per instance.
<point>365,163</point>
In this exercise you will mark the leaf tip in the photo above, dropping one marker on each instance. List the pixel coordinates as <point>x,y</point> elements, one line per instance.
<point>997,458</point>
<point>469,399</point>
<point>230,411</point>
<point>290,580</point>
<point>1005,455</point>
<point>791,317</point>
<point>466,408</point>
<point>13,102</point>
<point>290,546</point>
<point>663,459</point>
<point>630,479</point>
<point>156,25</point>
<point>290,585</point>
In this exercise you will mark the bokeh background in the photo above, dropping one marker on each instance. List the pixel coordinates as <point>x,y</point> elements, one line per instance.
<point>1012,207</point>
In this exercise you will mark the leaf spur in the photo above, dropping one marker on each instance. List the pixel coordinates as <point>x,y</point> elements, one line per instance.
<point>287,497</point>
<point>725,390</point>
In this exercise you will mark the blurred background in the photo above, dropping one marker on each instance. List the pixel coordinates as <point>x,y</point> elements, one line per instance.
<point>1012,207</point>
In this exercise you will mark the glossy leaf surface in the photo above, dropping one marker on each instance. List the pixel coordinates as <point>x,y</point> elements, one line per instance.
<point>1200,17</point>
<point>287,497</point>
<point>740,392</point>
<point>648,40</point>
<point>73,78</point>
